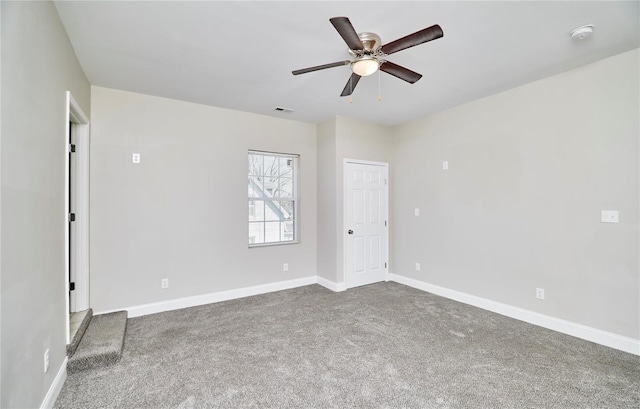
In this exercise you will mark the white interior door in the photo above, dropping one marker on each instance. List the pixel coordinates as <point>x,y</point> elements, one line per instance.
<point>365,213</point>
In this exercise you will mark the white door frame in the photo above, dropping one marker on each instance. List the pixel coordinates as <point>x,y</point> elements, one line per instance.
<point>344,215</point>
<point>77,123</point>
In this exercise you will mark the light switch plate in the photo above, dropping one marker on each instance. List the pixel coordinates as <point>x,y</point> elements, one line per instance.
<point>445,165</point>
<point>135,158</point>
<point>609,216</point>
<point>416,211</point>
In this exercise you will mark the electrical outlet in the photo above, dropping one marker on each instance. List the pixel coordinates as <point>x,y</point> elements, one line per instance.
<point>285,267</point>
<point>165,283</point>
<point>609,216</point>
<point>46,361</point>
<point>416,211</point>
<point>540,293</point>
<point>445,165</point>
<point>417,266</point>
<point>135,158</point>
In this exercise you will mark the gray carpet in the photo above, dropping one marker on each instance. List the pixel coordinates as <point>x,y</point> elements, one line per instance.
<point>77,337</point>
<point>101,344</point>
<point>379,346</point>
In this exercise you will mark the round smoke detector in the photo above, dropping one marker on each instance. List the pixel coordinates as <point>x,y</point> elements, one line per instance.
<point>582,32</point>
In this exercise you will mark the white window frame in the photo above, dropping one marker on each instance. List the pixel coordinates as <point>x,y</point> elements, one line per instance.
<point>295,199</point>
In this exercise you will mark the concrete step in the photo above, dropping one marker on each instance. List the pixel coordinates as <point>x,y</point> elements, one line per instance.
<point>101,344</point>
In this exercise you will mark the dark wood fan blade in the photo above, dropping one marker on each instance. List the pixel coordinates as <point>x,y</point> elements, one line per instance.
<point>351,85</point>
<point>400,72</point>
<point>347,32</point>
<point>419,37</point>
<point>321,67</point>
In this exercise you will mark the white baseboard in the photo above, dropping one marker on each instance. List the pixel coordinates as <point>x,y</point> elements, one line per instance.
<point>605,338</point>
<point>336,287</point>
<point>186,302</point>
<point>55,388</point>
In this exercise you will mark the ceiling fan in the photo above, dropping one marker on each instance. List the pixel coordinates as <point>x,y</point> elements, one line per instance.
<point>369,54</point>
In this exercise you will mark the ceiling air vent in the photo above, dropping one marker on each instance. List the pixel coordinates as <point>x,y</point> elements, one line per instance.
<point>281,109</point>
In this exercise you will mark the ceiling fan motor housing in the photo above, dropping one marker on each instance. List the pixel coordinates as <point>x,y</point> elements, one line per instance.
<point>371,43</point>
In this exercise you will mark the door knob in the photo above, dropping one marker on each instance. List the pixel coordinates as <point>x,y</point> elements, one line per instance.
<point>350,231</point>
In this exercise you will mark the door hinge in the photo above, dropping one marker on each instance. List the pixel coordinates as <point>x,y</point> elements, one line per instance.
<point>385,265</point>
<point>385,181</point>
<point>385,223</point>
<point>72,217</point>
<point>72,286</point>
<point>72,148</point>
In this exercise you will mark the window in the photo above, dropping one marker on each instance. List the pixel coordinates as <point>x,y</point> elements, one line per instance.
<point>272,182</point>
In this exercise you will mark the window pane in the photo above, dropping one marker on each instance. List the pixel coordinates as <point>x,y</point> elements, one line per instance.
<point>286,167</point>
<point>286,232</point>
<point>270,186</point>
<point>285,188</point>
<point>256,210</point>
<point>255,187</point>
<point>255,165</point>
<point>278,210</point>
<point>270,192</point>
<point>287,209</point>
<point>256,233</point>
<point>271,232</point>
<point>270,165</point>
<point>272,210</point>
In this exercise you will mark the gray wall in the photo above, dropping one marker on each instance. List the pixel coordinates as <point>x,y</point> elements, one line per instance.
<point>38,67</point>
<point>182,212</point>
<point>356,140</point>
<point>530,170</point>
<point>327,206</point>
<point>339,139</point>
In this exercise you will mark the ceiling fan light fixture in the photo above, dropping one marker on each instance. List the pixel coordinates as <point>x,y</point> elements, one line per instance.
<point>365,65</point>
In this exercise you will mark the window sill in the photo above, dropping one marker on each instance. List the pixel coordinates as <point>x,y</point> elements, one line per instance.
<point>279,243</point>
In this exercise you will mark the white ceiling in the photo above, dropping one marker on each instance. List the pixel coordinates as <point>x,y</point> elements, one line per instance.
<point>240,55</point>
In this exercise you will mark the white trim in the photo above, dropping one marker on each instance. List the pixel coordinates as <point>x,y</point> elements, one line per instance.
<point>333,286</point>
<point>186,302</point>
<point>275,243</point>
<point>65,141</point>
<point>598,336</point>
<point>366,162</point>
<point>384,165</point>
<point>56,386</point>
<point>75,114</point>
<point>295,199</point>
<point>82,218</point>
